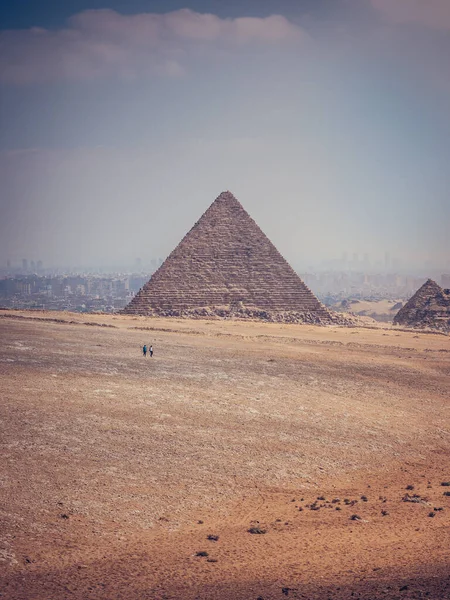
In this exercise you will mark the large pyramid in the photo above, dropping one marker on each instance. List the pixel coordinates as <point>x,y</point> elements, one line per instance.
<point>429,307</point>
<point>224,265</point>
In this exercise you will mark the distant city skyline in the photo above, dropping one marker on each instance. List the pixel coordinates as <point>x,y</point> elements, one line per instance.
<point>347,262</point>
<point>110,292</point>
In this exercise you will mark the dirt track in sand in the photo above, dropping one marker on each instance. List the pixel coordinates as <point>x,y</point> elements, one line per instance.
<point>109,460</point>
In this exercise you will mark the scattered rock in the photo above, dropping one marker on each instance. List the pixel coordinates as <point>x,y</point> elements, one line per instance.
<point>286,590</point>
<point>256,530</point>
<point>415,499</point>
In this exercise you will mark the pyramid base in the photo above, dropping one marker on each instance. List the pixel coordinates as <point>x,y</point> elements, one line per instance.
<point>425,321</point>
<point>251,313</point>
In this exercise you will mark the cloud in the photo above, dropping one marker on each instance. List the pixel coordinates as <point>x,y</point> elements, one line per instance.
<point>104,43</point>
<point>431,13</point>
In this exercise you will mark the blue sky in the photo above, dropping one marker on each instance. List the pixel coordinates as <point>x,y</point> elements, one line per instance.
<point>29,13</point>
<point>122,121</point>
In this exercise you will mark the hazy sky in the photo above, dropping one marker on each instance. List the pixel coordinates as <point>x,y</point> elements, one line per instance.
<point>121,121</point>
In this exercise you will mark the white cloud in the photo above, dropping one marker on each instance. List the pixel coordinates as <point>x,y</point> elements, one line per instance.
<point>103,43</point>
<point>431,13</point>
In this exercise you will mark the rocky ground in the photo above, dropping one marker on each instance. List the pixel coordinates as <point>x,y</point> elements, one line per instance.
<point>246,313</point>
<point>243,461</point>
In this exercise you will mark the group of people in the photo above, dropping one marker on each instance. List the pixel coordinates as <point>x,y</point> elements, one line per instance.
<point>149,350</point>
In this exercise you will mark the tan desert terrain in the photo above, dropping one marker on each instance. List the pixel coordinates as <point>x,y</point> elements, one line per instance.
<point>116,468</point>
<point>379,310</point>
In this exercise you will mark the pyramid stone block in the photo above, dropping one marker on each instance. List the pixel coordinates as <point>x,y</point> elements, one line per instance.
<point>226,263</point>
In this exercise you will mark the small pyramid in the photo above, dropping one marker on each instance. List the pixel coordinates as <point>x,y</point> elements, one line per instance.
<point>225,261</point>
<point>429,307</point>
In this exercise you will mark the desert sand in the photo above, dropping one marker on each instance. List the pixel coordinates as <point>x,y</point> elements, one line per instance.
<point>331,442</point>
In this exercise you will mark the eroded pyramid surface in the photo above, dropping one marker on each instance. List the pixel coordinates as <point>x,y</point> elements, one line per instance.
<point>225,261</point>
<point>429,307</point>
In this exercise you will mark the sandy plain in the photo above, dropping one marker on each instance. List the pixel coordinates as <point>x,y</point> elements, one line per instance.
<point>116,468</point>
<point>379,310</point>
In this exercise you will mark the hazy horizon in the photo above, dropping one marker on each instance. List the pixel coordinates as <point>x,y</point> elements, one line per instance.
<point>328,120</point>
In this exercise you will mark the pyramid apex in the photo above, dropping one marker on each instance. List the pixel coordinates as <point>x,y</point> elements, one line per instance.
<point>228,200</point>
<point>430,283</point>
<point>226,195</point>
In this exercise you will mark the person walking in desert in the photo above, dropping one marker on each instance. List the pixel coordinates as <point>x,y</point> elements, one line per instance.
<point>144,349</point>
